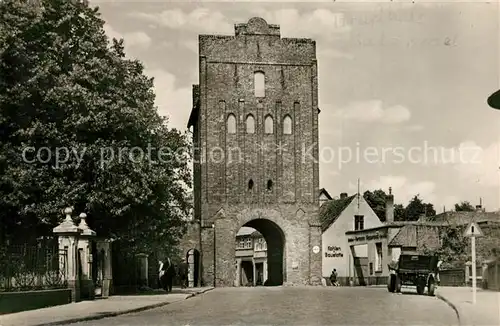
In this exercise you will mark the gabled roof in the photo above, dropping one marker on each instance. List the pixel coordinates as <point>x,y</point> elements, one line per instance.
<point>409,235</point>
<point>256,234</point>
<point>323,191</point>
<point>406,237</point>
<point>331,210</point>
<point>245,231</point>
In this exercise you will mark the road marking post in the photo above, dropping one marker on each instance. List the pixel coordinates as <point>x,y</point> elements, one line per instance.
<point>473,231</point>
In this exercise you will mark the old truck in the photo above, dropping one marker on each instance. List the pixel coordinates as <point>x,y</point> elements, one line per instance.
<point>414,270</point>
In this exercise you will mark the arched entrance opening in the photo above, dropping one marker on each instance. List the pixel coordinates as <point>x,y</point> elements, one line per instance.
<point>260,254</point>
<point>193,260</point>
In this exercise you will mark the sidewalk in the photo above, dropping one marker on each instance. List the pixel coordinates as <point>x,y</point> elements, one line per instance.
<point>97,309</point>
<point>486,311</point>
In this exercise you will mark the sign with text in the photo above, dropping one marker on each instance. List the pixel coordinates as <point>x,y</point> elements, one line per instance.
<point>333,252</point>
<point>368,237</point>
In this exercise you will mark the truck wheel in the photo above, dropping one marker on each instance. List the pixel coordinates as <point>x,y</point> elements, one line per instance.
<point>397,284</point>
<point>391,285</point>
<point>431,287</point>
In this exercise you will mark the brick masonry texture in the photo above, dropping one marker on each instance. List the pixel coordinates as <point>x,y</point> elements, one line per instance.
<point>227,162</point>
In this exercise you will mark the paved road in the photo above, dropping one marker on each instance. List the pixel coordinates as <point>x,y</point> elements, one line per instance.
<point>295,306</point>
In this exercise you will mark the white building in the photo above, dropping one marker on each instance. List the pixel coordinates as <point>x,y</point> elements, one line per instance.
<point>349,213</point>
<point>251,258</point>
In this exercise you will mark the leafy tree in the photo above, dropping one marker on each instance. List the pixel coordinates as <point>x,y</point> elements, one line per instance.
<point>399,212</point>
<point>376,200</point>
<point>464,206</point>
<point>416,208</point>
<point>454,249</point>
<point>66,88</point>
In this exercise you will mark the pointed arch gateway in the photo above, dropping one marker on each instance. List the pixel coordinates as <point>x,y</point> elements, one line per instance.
<point>273,267</point>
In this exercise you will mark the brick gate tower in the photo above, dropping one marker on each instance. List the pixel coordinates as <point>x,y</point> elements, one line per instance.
<point>255,130</point>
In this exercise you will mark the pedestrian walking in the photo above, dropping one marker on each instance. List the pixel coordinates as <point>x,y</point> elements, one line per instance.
<point>166,274</point>
<point>183,273</point>
<point>333,278</point>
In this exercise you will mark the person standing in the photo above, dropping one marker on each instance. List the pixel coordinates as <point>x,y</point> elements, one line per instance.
<point>166,274</point>
<point>183,273</point>
<point>333,278</point>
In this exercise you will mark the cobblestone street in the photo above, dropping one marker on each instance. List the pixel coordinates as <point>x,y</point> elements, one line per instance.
<point>296,306</point>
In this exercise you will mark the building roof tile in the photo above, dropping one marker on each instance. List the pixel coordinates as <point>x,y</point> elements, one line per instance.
<point>331,210</point>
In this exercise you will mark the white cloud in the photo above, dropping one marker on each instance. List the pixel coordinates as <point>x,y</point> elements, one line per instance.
<point>198,20</point>
<point>414,128</point>
<point>373,111</point>
<point>175,103</point>
<point>478,165</point>
<point>191,45</point>
<point>140,39</point>
<point>131,40</point>
<point>324,54</point>
<point>320,22</point>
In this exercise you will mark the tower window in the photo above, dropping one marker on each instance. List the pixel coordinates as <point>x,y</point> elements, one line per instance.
<point>250,124</point>
<point>287,125</point>
<point>231,124</point>
<point>268,125</point>
<point>250,184</point>
<point>259,84</point>
<point>269,185</point>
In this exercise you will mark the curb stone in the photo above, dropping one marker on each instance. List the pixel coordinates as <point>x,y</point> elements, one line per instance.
<point>453,306</point>
<point>118,313</point>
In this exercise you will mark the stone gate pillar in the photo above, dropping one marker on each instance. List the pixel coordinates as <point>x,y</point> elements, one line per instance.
<point>144,269</point>
<point>85,252</point>
<point>107,271</point>
<point>68,234</point>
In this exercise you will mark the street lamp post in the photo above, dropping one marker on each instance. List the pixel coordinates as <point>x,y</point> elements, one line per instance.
<point>215,258</point>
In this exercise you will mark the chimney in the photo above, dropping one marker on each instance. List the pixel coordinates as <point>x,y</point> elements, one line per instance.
<point>343,195</point>
<point>389,207</point>
<point>479,208</point>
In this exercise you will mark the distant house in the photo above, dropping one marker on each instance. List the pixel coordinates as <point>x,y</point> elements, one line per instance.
<point>324,196</point>
<point>487,246</point>
<point>416,238</point>
<point>251,258</point>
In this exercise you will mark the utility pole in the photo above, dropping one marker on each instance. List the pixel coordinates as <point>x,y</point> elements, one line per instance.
<point>473,231</point>
<point>358,195</point>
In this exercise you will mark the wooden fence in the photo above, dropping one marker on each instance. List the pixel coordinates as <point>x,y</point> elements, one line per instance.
<point>452,277</point>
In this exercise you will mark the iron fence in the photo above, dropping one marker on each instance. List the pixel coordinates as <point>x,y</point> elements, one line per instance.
<point>30,267</point>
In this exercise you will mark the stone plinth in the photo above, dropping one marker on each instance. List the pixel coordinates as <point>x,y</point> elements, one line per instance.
<point>85,252</point>
<point>68,234</point>
<point>104,247</point>
<point>143,263</point>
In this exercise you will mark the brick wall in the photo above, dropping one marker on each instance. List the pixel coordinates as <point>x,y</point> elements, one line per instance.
<point>226,86</point>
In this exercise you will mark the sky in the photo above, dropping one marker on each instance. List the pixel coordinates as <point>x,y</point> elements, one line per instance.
<point>404,85</point>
